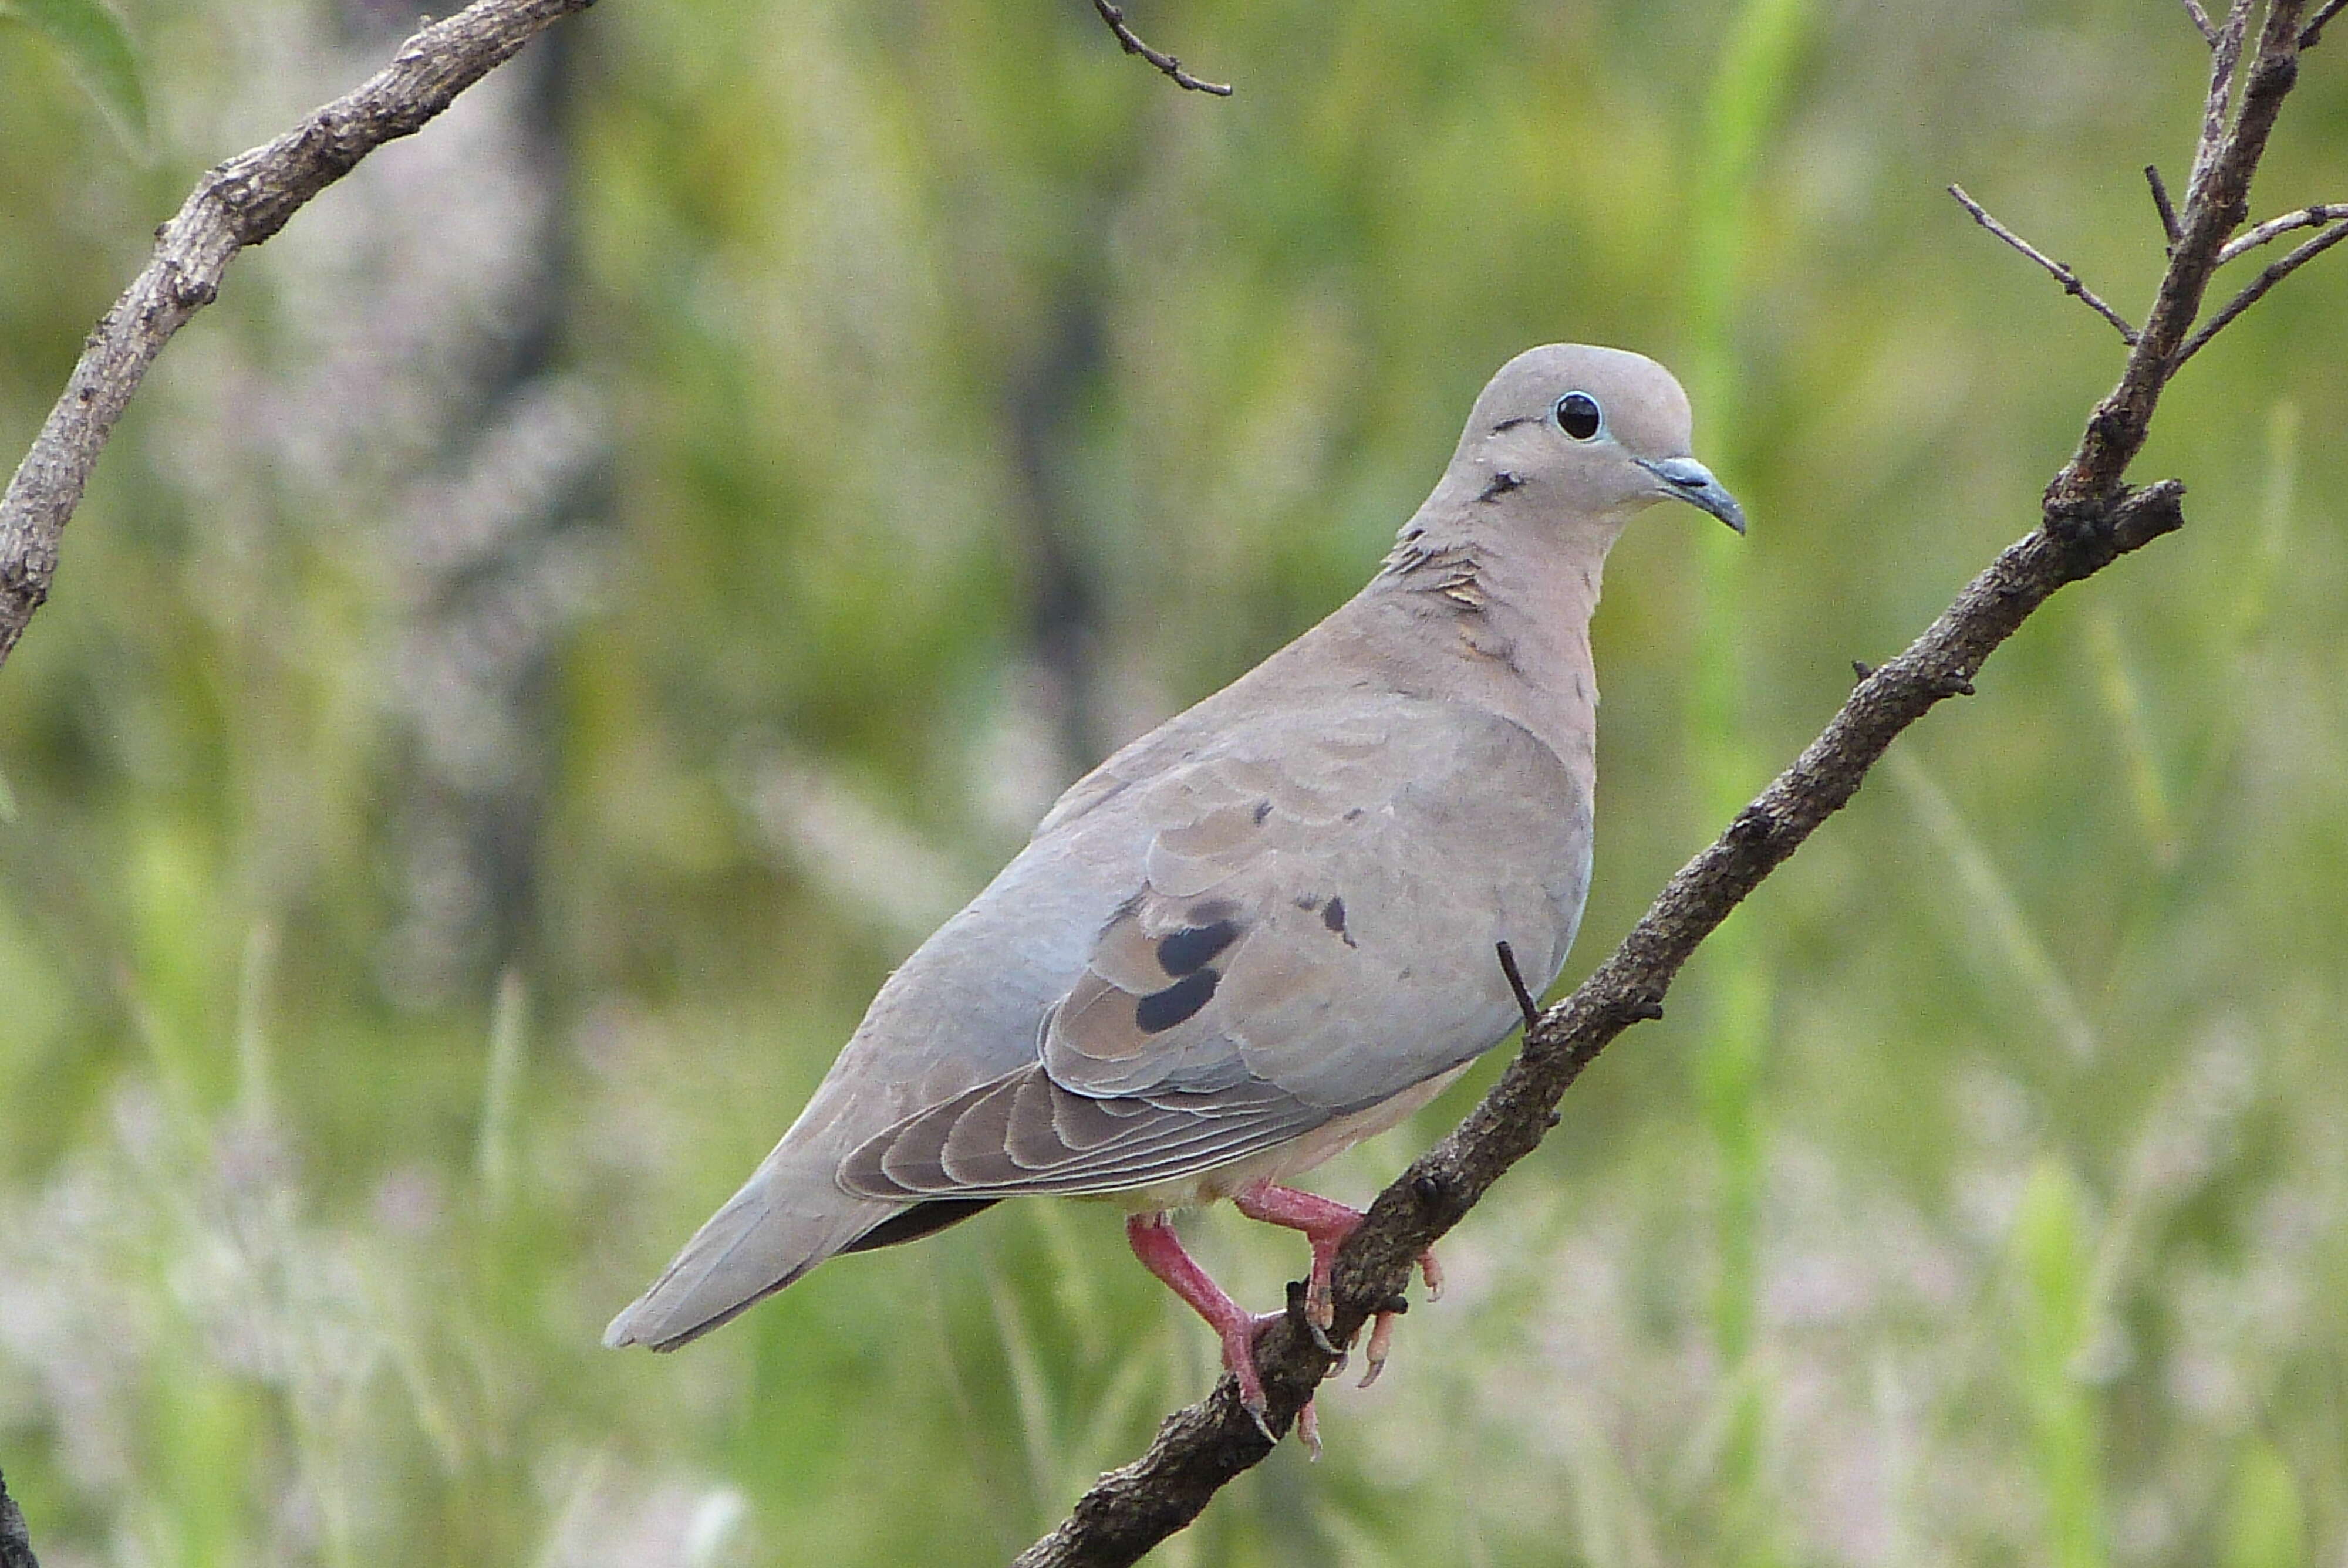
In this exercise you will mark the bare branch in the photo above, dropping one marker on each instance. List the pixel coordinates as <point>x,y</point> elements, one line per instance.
<point>16,1541</point>
<point>2216,203</point>
<point>2273,228</point>
<point>2201,21</point>
<point>2225,56</point>
<point>2313,34</point>
<point>242,203</point>
<point>2160,200</point>
<point>2275,273</point>
<point>2088,519</point>
<point>1165,62</point>
<point>2061,273</point>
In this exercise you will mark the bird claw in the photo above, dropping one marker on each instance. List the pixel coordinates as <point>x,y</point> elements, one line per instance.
<point>1308,1431</point>
<point>1314,1316</point>
<point>1380,1342</point>
<point>1254,1405</point>
<point>1432,1272</point>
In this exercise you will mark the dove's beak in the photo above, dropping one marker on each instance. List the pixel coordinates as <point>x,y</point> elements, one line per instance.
<point>1691,482</point>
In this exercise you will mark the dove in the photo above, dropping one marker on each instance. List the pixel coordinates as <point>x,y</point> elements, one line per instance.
<point>1267,929</point>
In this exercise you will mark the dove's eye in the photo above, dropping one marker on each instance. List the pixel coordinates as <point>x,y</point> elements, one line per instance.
<point>1578,415</point>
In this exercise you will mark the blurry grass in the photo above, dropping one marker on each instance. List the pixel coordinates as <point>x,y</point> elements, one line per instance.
<point>2117,682</point>
<point>2053,1328</point>
<point>2265,1526</point>
<point>493,1157</point>
<point>1991,903</point>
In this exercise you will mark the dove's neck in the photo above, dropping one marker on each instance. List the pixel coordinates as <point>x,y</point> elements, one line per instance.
<point>1496,609</point>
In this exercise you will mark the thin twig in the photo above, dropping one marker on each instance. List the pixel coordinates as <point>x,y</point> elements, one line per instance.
<point>2313,34</point>
<point>2201,21</point>
<point>2305,218</point>
<point>2088,519</point>
<point>2225,56</point>
<point>2275,273</point>
<point>2061,273</point>
<point>242,203</point>
<point>2167,210</point>
<point>1165,62</point>
<point>1525,1003</point>
<point>16,1541</point>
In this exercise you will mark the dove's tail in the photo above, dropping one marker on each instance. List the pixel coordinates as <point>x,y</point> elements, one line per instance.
<point>774,1230</point>
<point>766,1237</point>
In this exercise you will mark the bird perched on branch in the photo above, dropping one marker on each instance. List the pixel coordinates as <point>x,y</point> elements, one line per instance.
<point>1267,929</point>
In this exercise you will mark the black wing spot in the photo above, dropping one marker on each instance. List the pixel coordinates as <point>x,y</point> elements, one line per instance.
<point>1188,951</point>
<point>1162,1011</point>
<point>1333,915</point>
<point>1263,810</point>
<point>1209,911</point>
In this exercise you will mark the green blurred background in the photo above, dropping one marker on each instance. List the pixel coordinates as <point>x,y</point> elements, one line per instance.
<point>624,565</point>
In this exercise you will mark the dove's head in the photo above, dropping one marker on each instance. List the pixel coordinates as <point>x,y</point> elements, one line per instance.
<point>1568,430</point>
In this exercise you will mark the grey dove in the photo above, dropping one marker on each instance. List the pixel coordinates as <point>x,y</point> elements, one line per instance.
<point>1267,929</point>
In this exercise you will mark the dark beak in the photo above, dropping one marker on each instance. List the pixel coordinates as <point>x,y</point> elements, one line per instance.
<point>1691,482</point>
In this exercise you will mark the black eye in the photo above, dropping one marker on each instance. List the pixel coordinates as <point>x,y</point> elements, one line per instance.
<point>1578,415</point>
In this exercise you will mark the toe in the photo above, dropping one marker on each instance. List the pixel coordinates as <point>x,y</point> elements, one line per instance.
<point>1381,1340</point>
<point>1239,1360</point>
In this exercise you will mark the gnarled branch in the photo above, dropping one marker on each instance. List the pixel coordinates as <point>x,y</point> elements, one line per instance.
<point>241,202</point>
<point>2088,519</point>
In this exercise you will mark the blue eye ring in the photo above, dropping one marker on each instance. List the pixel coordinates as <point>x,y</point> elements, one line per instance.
<point>1578,415</point>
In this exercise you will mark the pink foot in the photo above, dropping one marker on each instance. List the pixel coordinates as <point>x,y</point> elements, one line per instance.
<point>1326,1224</point>
<point>1153,1241</point>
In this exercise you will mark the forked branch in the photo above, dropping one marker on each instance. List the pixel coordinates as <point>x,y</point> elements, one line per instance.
<point>2088,519</point>
<point>2274,272</point>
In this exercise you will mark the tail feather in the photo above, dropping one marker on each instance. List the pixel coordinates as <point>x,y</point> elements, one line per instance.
<point>766,1237</point>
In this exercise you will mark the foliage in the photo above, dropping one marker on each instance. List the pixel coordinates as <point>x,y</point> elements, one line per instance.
<point>97,46</point>
<point>971,397</point>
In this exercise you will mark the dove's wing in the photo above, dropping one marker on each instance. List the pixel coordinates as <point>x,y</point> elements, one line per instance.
<point>1309,931</point>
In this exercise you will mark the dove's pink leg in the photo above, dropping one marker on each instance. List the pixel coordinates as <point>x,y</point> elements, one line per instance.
<point>1326,1224</point>
<point>1154,1242</point>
